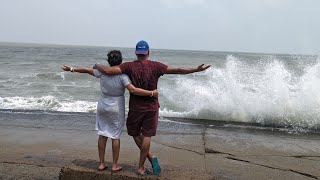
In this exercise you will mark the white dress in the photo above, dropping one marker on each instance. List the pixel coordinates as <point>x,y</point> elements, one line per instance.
<point>110,116</point>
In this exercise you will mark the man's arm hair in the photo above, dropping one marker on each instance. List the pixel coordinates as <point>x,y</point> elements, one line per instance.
<point>172,70</point>
<point>107,70</point>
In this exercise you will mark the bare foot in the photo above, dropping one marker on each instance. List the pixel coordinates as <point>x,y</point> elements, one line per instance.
<point>102,166</point>
<point>143,171</point>
<point>116,168</point>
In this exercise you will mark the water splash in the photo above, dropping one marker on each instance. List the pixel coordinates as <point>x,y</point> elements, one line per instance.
<point>265,92</point>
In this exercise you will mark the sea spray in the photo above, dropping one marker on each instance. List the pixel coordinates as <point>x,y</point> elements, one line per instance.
<point>268,94</point>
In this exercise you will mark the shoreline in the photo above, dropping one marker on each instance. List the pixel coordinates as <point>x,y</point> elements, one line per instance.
<point>37,146</point>
<point>187,121</point>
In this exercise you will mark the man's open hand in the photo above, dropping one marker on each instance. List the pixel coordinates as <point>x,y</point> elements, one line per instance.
<point>203,67</point>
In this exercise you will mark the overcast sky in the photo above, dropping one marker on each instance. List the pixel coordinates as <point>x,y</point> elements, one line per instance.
<point>276,26</point>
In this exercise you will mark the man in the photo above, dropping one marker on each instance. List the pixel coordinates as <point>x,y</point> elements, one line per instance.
<point>142,118</point>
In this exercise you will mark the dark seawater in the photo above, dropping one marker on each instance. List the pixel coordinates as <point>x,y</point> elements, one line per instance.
<point>241,89</point>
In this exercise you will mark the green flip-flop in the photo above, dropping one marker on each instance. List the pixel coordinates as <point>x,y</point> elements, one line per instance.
<point>155,165</point>
<point>147,171</point>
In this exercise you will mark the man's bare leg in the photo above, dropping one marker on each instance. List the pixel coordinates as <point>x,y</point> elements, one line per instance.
<point>101,150</point>
<point>144,150</point>
<point>153,160</point>
<point>138,140</point>
<point>115,154</point>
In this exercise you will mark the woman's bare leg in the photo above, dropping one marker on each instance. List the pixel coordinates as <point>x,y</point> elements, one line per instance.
<point>101,150</point>
<point>115,154</point>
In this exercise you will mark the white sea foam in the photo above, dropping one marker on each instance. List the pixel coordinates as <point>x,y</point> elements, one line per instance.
<point>46,103</point>
<point>267,94</point>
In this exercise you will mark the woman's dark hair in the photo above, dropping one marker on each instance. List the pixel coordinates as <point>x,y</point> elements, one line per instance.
<point>114,57</point>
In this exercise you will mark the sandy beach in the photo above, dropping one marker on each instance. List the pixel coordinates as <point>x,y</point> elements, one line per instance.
<point>45,145</point>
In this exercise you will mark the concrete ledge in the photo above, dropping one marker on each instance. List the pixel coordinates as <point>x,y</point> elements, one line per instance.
<point>70,173</point>
<point>86,169</point>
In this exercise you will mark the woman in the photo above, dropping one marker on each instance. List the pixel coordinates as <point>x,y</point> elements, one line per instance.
<point>111,106</point>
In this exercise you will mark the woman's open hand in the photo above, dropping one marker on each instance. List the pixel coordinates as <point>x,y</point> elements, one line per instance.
<point>66,68</point>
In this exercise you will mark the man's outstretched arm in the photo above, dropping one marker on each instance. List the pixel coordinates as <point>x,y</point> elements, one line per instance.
<point>107,69</point>
<point>172,70</point>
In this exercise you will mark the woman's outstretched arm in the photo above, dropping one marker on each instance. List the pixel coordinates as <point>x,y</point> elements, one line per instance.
<point>141,92</point>
<point>78,69</point>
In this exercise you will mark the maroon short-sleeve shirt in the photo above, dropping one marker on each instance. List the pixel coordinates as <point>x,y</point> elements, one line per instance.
<point>143,74</point>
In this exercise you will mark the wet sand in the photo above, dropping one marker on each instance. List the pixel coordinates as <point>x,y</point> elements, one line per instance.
<point>38,145</point>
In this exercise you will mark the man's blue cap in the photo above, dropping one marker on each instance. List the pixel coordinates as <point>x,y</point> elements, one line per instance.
<point>142,47</point>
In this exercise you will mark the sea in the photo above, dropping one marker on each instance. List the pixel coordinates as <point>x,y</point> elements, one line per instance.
<point>256,90</point>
